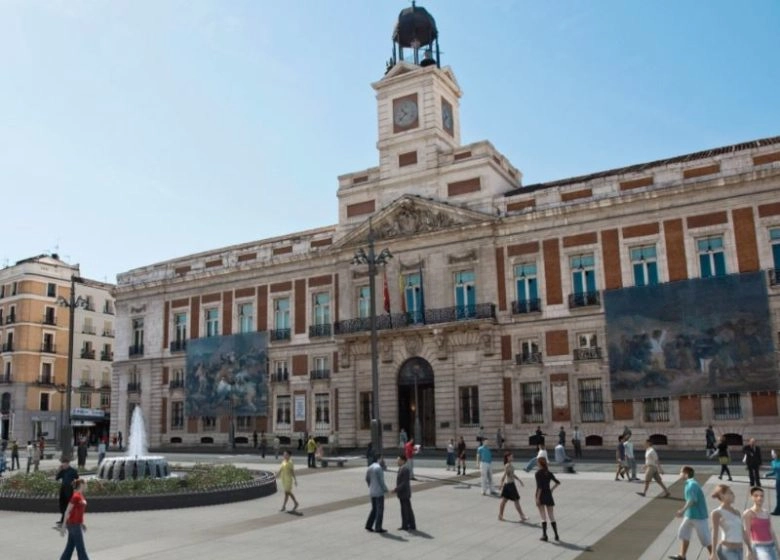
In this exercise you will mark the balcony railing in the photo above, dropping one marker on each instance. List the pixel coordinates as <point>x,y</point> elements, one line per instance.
<point>86,384</point>
<point>49,348</point>
<point>107,356</point>
<point>7,378</point>
<point>727,413</point>
<point>134,387</point>
<point>10,319</point>
<point>108,332</point>
<point>88,354</point>
<point>178,345</point>
<point>105,385</point>
<point>8,347</point>
<point>280,377</point>
<point>319,374</point>
<point>584,299</point>
<point>280,334</point>
<point>49,320</point>
<point>587,353</point>
<point>592,412</point>
<point>526,306</point>
<point>46,380</point>
<point>774,276</point>
<point>525,358</point>
<point>429,317</point>
<point>176,384</point>
<point>319,330</point>
<point>533,418</point>
<point>88,329</point>
<point>136,350</point>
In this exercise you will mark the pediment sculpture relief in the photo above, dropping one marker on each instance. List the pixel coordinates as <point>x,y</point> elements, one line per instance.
<point>410,220</point>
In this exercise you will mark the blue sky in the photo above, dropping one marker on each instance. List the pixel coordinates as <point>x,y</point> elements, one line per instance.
<point>133,132</point>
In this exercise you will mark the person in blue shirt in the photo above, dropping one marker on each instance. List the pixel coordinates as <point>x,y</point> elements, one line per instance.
<point>776,473</point>
<point>695,515</point>
<point>485,460</point>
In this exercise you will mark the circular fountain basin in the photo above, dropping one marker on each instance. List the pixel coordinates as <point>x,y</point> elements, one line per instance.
<point>133,468</point>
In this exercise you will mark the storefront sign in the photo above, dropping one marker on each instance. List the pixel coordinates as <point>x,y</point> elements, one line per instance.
<point>87,413</point>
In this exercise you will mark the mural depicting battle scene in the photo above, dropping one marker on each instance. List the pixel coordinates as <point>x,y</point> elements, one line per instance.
<point>701,336</point>
<point>221,369</point>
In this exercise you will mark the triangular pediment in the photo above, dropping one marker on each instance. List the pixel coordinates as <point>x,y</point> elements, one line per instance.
<point>411,215</point>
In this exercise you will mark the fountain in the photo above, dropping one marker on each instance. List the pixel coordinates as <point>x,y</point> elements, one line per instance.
<point>136,463</point>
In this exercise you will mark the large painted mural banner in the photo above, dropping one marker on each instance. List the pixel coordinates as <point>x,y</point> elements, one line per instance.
<point>702,336</point>
<point>225,371</point>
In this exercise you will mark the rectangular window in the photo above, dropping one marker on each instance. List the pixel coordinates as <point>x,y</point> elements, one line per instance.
<point>105,400</point>
<point>712,259</point>
<point>280,368</point>
<point>246,317</point>
<point>591,400</point>
<point>244,423</point>
<point>465,294</point>
<point>531,394</point>
<point>14,288</point>
<point>583,274</point>
<point>177,415</point>
<point>320,367</point>
<point>47,376</point>
<point>138,333</point>
<point>212,321</point>
<point>209,423</point>
<point>645,265</point>
<point>656,409</point>
<point>322,412</point>
<point>469,405</point>
<point>321,308</point>
<point>774,239</point>
<point>413,295</point>
<point>587,347</point>
<point>527,288</point>
<point>282,313</point>
<point>44,401</point>
<point>365,410</point>
<point>529,352</point>
<point>180,327</point>
<point>726,406</point>
<point>283,412</point>
<point>364,302</point>
<point>85,400</point>
<point>51,289</point>
<point>48,317</point>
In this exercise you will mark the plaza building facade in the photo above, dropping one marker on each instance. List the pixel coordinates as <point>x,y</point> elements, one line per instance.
<point>504,306</point>
<point>34,328</point>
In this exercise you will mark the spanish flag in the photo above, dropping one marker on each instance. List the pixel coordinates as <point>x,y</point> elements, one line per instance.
<point>386,292</point>
<point>401,292</point>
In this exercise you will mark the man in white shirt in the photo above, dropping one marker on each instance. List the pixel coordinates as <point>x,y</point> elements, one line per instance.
<point>628,447</point>
<point>653,470</point>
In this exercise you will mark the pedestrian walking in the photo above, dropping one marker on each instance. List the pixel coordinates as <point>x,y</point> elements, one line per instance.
<point>254,439</point>
<point>451,455</point>
<point>29,455</point>
<point>67,475</point>
<point>775,472</point>
<point>727,529</point>
<point>541,452</point>
<point>311,449</point>
<point>81,453</point>
<point>724,459</point>
<point>402,439</point>
<point>508,488</point>
<point>653,470</point>
<point>752,460</point>
<point>576,441</point>
<point>36,457</point>
<point>375,479</point>
<point>562,437</point>
<point>484,463</point>
<point>544,497</point>
<point>74,522</point>
<point>409,451</point>
<point>709,442</point>
<point>620,458</point>
<point>759,536</point>
<point>263,445</point>
<point>15,455</point>
<point>694,515</point>
<point>101,451</point>
<point>628,451</point>
<point>403,490</point>
<point>461,450</point>
<point>286,475</point>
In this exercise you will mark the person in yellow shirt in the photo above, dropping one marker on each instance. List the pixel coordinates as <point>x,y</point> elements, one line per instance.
<point>311,449</point>
<point>286,475</point>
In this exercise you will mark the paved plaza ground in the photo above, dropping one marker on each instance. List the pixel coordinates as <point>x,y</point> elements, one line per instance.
<point>597,518</point>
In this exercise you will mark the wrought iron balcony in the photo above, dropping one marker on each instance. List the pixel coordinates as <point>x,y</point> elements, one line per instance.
<point>7,378</point>
<point>88,329</point>
<point>280,334</point>
<point>107,356</point>
<point>319,330</point>
<point>429,317</point>
<point>134,387</point>
<point>319,374</point>
<point>8,347</point>
<point>49,320</point>
<point>135,350</point>
<point>525,358</point>
<point>88,354</point>
<point>526,306</point>
<point>280,377</point>
<point>533,418</point>
<point>86,384</point>
<point>178,345</point>
<point>774,276</point>
<point>108,332</point>
<point>47,379</point>
<point>176,384</point>
<point>593,353</point>
<point>49,348</point>
<point>584,299</point>
<point>10,319</point>
<point>727,412</point>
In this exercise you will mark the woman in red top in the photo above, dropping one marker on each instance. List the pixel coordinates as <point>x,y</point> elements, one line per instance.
<point>74,522</point>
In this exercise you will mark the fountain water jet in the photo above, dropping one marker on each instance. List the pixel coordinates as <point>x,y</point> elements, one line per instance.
<point>136,463</point>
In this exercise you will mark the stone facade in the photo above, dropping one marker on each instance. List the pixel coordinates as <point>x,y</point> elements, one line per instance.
<point>460,224</point>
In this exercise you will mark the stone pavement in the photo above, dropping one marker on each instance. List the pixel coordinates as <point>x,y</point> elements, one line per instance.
<point>597,518</point>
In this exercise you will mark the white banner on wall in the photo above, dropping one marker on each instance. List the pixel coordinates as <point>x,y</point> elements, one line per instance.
<point>300,408</point>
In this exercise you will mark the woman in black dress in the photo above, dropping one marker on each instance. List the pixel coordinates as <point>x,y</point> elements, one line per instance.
<point>509,490</point>
<point>461,454</point>
<point>544,497</point>
<point>723,457</point>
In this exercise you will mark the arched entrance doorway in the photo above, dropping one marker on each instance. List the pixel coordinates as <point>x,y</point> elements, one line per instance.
<point>415,400</point>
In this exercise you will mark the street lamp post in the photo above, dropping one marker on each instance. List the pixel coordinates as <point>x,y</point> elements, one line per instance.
<point>372,260</point>
<point>66,430</point>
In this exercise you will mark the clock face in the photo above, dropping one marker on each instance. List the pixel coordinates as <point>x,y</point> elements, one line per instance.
<point>446,116</point>
<point>405,112</point>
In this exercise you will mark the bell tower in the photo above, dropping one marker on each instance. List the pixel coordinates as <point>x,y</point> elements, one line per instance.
<point>417,100</point>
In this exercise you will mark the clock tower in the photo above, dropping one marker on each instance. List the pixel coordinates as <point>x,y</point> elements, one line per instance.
<point>417,100</point>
